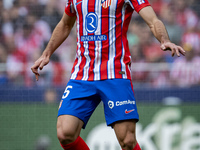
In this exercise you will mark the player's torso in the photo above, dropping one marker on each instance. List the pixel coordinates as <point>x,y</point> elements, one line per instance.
<point>102,46</point>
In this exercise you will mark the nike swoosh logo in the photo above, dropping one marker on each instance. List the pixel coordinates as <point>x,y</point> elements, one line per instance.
<point>129,111</point>
<point>78,2</point>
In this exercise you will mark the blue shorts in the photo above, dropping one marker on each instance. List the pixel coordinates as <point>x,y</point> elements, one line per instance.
<point>80,99</point>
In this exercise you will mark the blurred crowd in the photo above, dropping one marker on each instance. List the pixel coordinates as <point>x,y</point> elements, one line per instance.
<point>26,27</point>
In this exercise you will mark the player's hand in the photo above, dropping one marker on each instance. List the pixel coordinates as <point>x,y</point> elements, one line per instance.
<point>175,49</point>
<point>40,63</point>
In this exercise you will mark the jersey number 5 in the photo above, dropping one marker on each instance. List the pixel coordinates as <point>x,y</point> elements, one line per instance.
<point>66,93</point>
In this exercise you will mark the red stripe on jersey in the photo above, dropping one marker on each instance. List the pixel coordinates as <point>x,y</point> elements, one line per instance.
<point>105,44</point>
<point>118,43</point>
<point>91,73</point>
<point>127,60</point>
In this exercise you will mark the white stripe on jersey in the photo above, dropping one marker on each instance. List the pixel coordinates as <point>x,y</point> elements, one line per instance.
<point>112,38</point>
<point>98,45</point>
<point>123,50</point>
<point>85,43</point>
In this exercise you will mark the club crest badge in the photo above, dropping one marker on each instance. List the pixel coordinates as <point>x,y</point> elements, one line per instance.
<point>105,3</point>
<point>140,2</point>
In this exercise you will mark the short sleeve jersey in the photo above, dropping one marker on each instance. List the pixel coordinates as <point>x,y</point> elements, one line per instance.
<point>102,45</point>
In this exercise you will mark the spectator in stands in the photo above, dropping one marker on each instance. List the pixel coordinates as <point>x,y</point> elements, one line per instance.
<point>135,43</point>
<point>32,36</point>
<point>192,36</point>
<point>16,63</point>
<point>60,5</point>
<point>185,71</point>
<point>18,13</point>
<point>3,57</point>
<point>158,5</point>
<point>175,31</point>
<point>133,34</point>
<point>185,16</point>
<point>7,25</point>
<point>3,54</point>
<point>35,8</point>
<point>138,76</point>
<point>58,78</point>
<point>194,5</point>
<point>1,21</point>
<point>1,7</point>
<point>51,14</point>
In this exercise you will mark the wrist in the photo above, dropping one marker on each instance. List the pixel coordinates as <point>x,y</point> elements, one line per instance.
<point>164,40</point>
<point>46,54</point>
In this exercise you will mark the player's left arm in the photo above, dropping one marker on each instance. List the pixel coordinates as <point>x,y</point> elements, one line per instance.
<point>158,29</point>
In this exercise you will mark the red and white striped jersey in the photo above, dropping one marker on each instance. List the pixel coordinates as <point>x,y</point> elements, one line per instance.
<point>102,45</point>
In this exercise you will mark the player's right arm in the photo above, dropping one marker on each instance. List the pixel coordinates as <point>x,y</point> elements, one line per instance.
<point>59,35</point>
